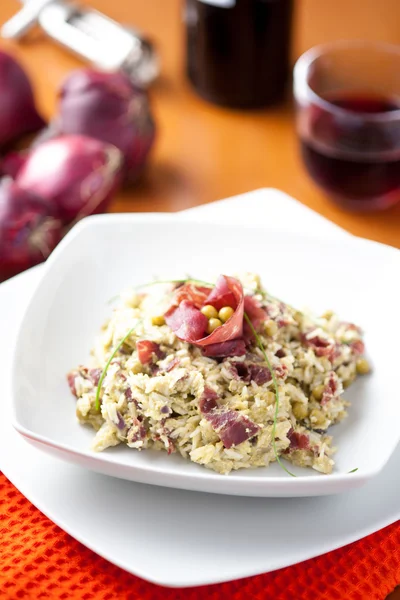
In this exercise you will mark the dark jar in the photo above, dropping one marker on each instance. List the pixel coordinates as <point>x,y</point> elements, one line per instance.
<point>238,51</point>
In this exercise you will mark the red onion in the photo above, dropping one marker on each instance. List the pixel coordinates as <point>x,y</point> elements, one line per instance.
<point>107,106</point>
<point>18,114</point>
<point>76,174</point>
<point>12,163</point>
<point>28,230</point>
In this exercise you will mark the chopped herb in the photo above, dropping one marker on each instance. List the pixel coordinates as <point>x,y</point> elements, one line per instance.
<point>104,373</point>
<point>353,470</point>
<point>261,346</point>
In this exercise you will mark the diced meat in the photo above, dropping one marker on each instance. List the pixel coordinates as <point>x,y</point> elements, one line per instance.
<point>280,353</point>
<point>226,292</point>
<point>146,349</point>
<point>251,372</point>
<point>231,427</point>
<point>240,371</point>
<point>260,374</point>
<point>331,388</point>
<point>320,345</point>
<point>94,375</point>
<point>298,441</point>
<point>170,447</point>
<point>358,347</point>
<point>193,294</point>
<point>208,400</point>
<point>137,432</point>
<point>71,381</point>
<point>187,322</point>
<point>225,349</point>
<point>255,312</point>
<point>121,423</point>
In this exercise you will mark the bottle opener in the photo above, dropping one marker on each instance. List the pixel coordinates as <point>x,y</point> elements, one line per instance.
<point>91,35</point>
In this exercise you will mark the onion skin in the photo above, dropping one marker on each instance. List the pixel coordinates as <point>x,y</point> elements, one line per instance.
<point>12,163</point>
<point>29,231</point>
<point>108,107</point>
<point>18,114</point>
<point>75,174</point>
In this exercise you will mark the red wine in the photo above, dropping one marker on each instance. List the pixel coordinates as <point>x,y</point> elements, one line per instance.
<point>356,160</point>
<point>238,50</point>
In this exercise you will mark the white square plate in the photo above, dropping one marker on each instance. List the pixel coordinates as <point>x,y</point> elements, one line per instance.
<point>107,253</point>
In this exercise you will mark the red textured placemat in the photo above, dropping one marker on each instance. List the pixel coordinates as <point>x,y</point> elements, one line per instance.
<point>40,561</point>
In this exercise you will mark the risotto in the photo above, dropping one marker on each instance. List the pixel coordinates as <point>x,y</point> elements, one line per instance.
<point>225,375</point>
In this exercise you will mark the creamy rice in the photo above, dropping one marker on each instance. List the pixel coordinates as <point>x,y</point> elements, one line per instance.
<point>182,401</point>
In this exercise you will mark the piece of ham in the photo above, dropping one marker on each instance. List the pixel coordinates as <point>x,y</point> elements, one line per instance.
<point>146,349</point>
<point>331,388</point>
<point>208,401</point>
<point>255,312</point>
<point>189,324</point>
<point>196,295</point>
<point>251,372</point>
<point>298,441</point>
<point>357,347</point>
<point>137,432</point>
<point>71,381</point>
<point>231,427</point>
<point>225,349</point>
<point>320,345</point>
<point>226,292</point>
<point>93,375</point>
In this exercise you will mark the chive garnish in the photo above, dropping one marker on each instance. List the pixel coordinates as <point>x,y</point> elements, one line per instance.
<point>261,346</point>
<point>104,373</point>
<point>353,470</point>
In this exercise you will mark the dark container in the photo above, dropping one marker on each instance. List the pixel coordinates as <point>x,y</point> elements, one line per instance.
<point>238,51</point>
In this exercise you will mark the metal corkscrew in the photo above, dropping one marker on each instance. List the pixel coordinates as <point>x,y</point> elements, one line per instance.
<point>91,35</point>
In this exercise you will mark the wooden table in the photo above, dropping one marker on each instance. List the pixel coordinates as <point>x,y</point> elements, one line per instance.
<point>203,152</point>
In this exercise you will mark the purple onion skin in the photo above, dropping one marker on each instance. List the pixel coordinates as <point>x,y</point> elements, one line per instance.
<point>18,114</point>
<point>12,163</point>
<point>75,174</point>
<point>108,107</point>
<point>29,230</point>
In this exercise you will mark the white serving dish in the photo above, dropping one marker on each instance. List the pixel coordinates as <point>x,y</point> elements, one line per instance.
<point>79,500</point>
<point>104,254</point>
